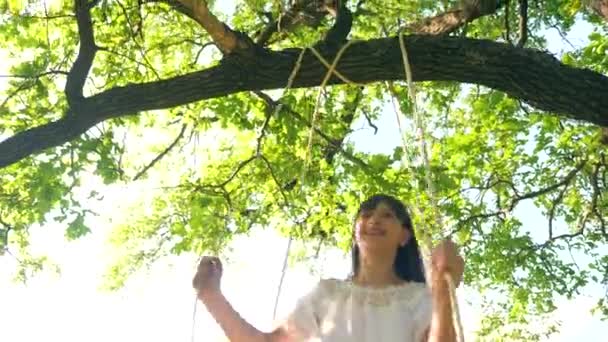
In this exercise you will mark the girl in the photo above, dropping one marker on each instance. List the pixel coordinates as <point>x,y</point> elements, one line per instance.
<point>385,300</point>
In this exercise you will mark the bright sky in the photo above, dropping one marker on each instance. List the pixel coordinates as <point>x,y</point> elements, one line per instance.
<point>157,305</point>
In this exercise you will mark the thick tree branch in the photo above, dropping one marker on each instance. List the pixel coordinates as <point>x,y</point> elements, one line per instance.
<point>529,75</point>
<point>86,54</point>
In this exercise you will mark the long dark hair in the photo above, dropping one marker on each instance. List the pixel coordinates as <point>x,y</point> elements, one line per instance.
<point>408,264</point>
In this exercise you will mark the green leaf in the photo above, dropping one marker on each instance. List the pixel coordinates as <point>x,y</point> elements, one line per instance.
<point>77,228</point>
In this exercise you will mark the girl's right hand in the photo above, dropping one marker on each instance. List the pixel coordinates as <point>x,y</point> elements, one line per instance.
<point>208,276</point>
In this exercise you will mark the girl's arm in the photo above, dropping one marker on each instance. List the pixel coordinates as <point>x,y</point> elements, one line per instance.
<point>445,260</point>
<point>442,324</point>
<point>233,325</point>
<point>207,284</point>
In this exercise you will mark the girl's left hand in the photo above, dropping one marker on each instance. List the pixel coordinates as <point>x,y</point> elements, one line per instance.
<point>445,259</point>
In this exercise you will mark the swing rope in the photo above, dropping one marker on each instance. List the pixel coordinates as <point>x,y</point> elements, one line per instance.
<point>422,146</point>
<point>420,131</point>
<point>331,70</point>
<point>290,81</point>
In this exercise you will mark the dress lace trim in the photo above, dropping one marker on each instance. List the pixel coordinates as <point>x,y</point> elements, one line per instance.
<point>408,293</point>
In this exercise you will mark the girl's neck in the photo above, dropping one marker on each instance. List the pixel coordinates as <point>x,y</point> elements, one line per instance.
<point>376,272</point>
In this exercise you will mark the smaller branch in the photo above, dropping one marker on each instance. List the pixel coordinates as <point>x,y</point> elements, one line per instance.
<point>480,189</point>
<point>301,12</point>
<point>264,36</point>
<point>46,73</point>
<point>595,196</point>
<point>27,83</point>
<point>344,21</point>
<point>600,7</point>
<point>524,253</point>
<point>604,135</point>
<point>175,5</point>
<point>359,7</point>
<point>225,38</point>
<point>602,223</point>
<point>523,23</point>
<point>443,23</point>
<point>550,269</point>
<point>563,35</point>
<point>275,179</point>
<point>572,256</point>
<point>269,101</point>
<point>142,51</point>
<point>90,4</point>
<point>145,65</point>
<point>582,223</point>
<point>46,17</point>
<point>228,199</point>
<point>510,184</point>
<point>347,119</point>
<point>450,21</point>
<point>370,122</point>
<point>560,237</point>
<point>604,176</point>
<point>236,171</point>
<point>7,229</point>
<point>48,37</point>
<point>262,134</point>
<point>554,205</point>
<point>86,54</point>
<point>22,87</point>
<point>507,23</point>
<point>200,51</point>
<point>483,191</point>
<point>461,223</point>
<point>319,245</point>
<point>548,189</point>
<point>162,154</point>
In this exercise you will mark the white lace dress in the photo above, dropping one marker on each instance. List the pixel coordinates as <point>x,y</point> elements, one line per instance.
<point>340,311</point>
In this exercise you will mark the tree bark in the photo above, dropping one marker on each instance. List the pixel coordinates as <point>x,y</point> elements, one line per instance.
<point>532,76</point>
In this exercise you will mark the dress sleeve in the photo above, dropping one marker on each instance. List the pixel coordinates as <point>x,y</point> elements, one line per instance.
<point>302,323</point>
<point>422,314</point>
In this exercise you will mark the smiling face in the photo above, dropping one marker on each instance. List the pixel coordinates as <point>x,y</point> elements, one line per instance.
<point>383,225</point>
<point>380,228</point>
